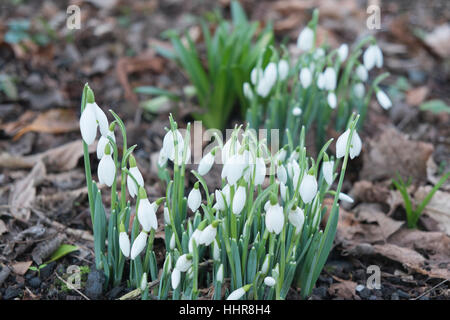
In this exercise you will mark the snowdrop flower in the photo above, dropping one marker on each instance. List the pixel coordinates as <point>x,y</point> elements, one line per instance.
<point>219,276</point>
<point>162,158</point>
<point>269,78</point>
<point>106,170</point>
<point>216,251</point>
<point>206,163</point>
<point>234,168</point>
<point>265,265</point>
<point>92,117</point>
<point>196,237</point>
<point>146,212</point>
<point>256,75</point>
<point>172,241</point>
<point>327,171</point>
<point>220,196</point>
<point>319,53</point>
<point>124,243</point>
<point>274,218</point>
<point>359,90</point>
<point>281,173</point>
<point>383,100</point>
<point>305,77</point>
<point>194,198</point>
<point>343,52</point>
<point>296,111</point>
<point>341,144</point>
<point>175,278</point>
<point>345,197</point>
<point>239,200</point>
<point>184,262</point>
<point>332,100</point>
<point>260,171</point>
<point>308,188</point>
<point>229,149</point>
<point>239,293</point>
<point>283,69</point>
<point>208,234</point>
<point>305,40</point>
<point>138,244</point>
<point>134,170</point>
<point>373,57</point>
<point>103,141</point>
<point>361,73</point>
<point>269,281</point>
<point>247,90</point>
<point>281,155</point>
<point>329,79</point>
<point>169,147</point>
<point>297,217</point>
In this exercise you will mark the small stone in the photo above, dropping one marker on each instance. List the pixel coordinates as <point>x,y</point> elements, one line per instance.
<point>94,284</point>
<point>35,282</point>
<point>364,293</point>
<point>47,270</point>
<point>11,293</point>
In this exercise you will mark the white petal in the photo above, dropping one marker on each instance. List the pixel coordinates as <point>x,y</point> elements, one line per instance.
<point>305,77</point>
<point>345,197</point>
<point>183,263</point>
<point>219,276</point>
<point>332,100</point>
<point>169,144</point>
<point>194,199</point>
<point>283,69</point>
<point>88,124</point>
<point>175,278</point>
<point>297,218</point>
<point>362,73</point>
<point>138,245</point>
<point>236,294</point>
<point>321,81</point>
<point>260,171</point>
<point>282,174</point>
<point>106,170</point>
<point>341,144</point>
<point>305,40</point>
<point>359,90</point>
<point>275,218</point>
<point>269,281</point>
<point>146,213</point>
<point>343,52</point>
<point>208,235</point>
<point>356,146</point>
<point>102,120</point>
<point>247,90</point>
<point>256,75</point>
<point>308,188</point>
<point>327,171</point>
<point>329,79</point>
<point>239,200</point>
<point>205,164</point>
<point>384,100</point>
<point>369,57</point>
<point>132,187</point>
<point>378,56</point>
<point>124,244</point>
<point>229,149</point>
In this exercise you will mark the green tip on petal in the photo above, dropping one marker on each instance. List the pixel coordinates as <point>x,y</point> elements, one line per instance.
<point>121,227</point>
<point>196,185</point>
<point>142,193</point>
<point>189,256</point>
<point>247,287</point>
<point>112,126</point>
<point>273,199</point>
<point>311,171</point>
<point>90,98</point>
<point>160,200</point>
<point>215,223</point>
<point>325,157</point>
<point>132,161</point>
<point>202,225</point>
<point>107,149</point>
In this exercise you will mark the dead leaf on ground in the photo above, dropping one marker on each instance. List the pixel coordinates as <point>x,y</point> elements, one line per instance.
<point>366,191</point>
<point>345,289</point>
<point>393,152</point>
<point>52,121</point>
<point>23,192</point>
<point>416,96</point>
<point>438,208</point>
<point>439,40</point>
<point>21,268</point>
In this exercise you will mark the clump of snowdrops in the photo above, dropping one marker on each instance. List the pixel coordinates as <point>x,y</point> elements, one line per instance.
<point>255,238</point>
<point>287,91</point>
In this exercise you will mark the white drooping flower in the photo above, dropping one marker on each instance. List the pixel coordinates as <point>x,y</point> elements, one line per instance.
<point>384,100</point>
<point>308,188</point>
<point>102,142</point>
<point>106,170</point>
<point>247,90</point>
<point>260,171</point>
<point>283,69</point>
<point>146,213</point>
<point>184,262</point>
<point>172,241</point>
<point>92,117</point>
<point>319,53</point>
<point>343,52</point>
<point>297,217</point>
<point>194,237</point>
<point>305,77</point>
<point>332,100</point>
<point>296,111</point>
<point>275,218</point>
<point>359,90</point>
<point>216,251</point>
<point>305,40</point>
<point>162,158</point>
<point>373,57</point>
<point>124,244</point>
<point>281,155</point>
<point>361,73</point>
<point>194,198</point>
<point>329,79</point>
<point>138,245</point>
<point>208,235</point>
<point>268,80</point>
<point>219,276</point>
<point>239,200</point>
<point>222,198</point>
<point>133,189</point>
<point>234,168</point>
<point>205,164</point>
<point>230,149</point>
<point>175,278</point>
<point>281,173</point>
<point>269,281</point>
<point>321,81</point>
<point>256,75</point>
<point>355,146</point>
<point>345,197</point>
<point>327,171</point>
<point>239,293</point>
<point>170,144</point>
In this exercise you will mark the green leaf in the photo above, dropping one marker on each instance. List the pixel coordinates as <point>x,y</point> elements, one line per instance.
<point>435,106</point>
<point>63,250</point>
<point>157,92</point>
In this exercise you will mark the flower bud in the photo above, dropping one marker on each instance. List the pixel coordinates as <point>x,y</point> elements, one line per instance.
<point>239,200</point>
<point>384,100</point>
<point>106,170</point>
<point>308,188</point>
<point>327,171</point>
<point>124,244</point>
<point>305,77</point>
<point>194,198</point>
<point>269,281</point>
<point>305,40</point>
<point>138,244</point>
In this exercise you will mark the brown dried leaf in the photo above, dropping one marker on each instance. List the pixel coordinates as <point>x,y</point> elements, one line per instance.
<point>416,96</point>
<point>438,208</point>
<point>392,152</point>
<point>52,121</point>
<point>344,289</point>
<point>21,268</point>
<point>46,248</point>
<point>439,40</point>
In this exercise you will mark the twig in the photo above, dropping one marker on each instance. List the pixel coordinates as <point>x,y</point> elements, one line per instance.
<point>136,292</point>
<point>428,291</point>
<point>72,287</point>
